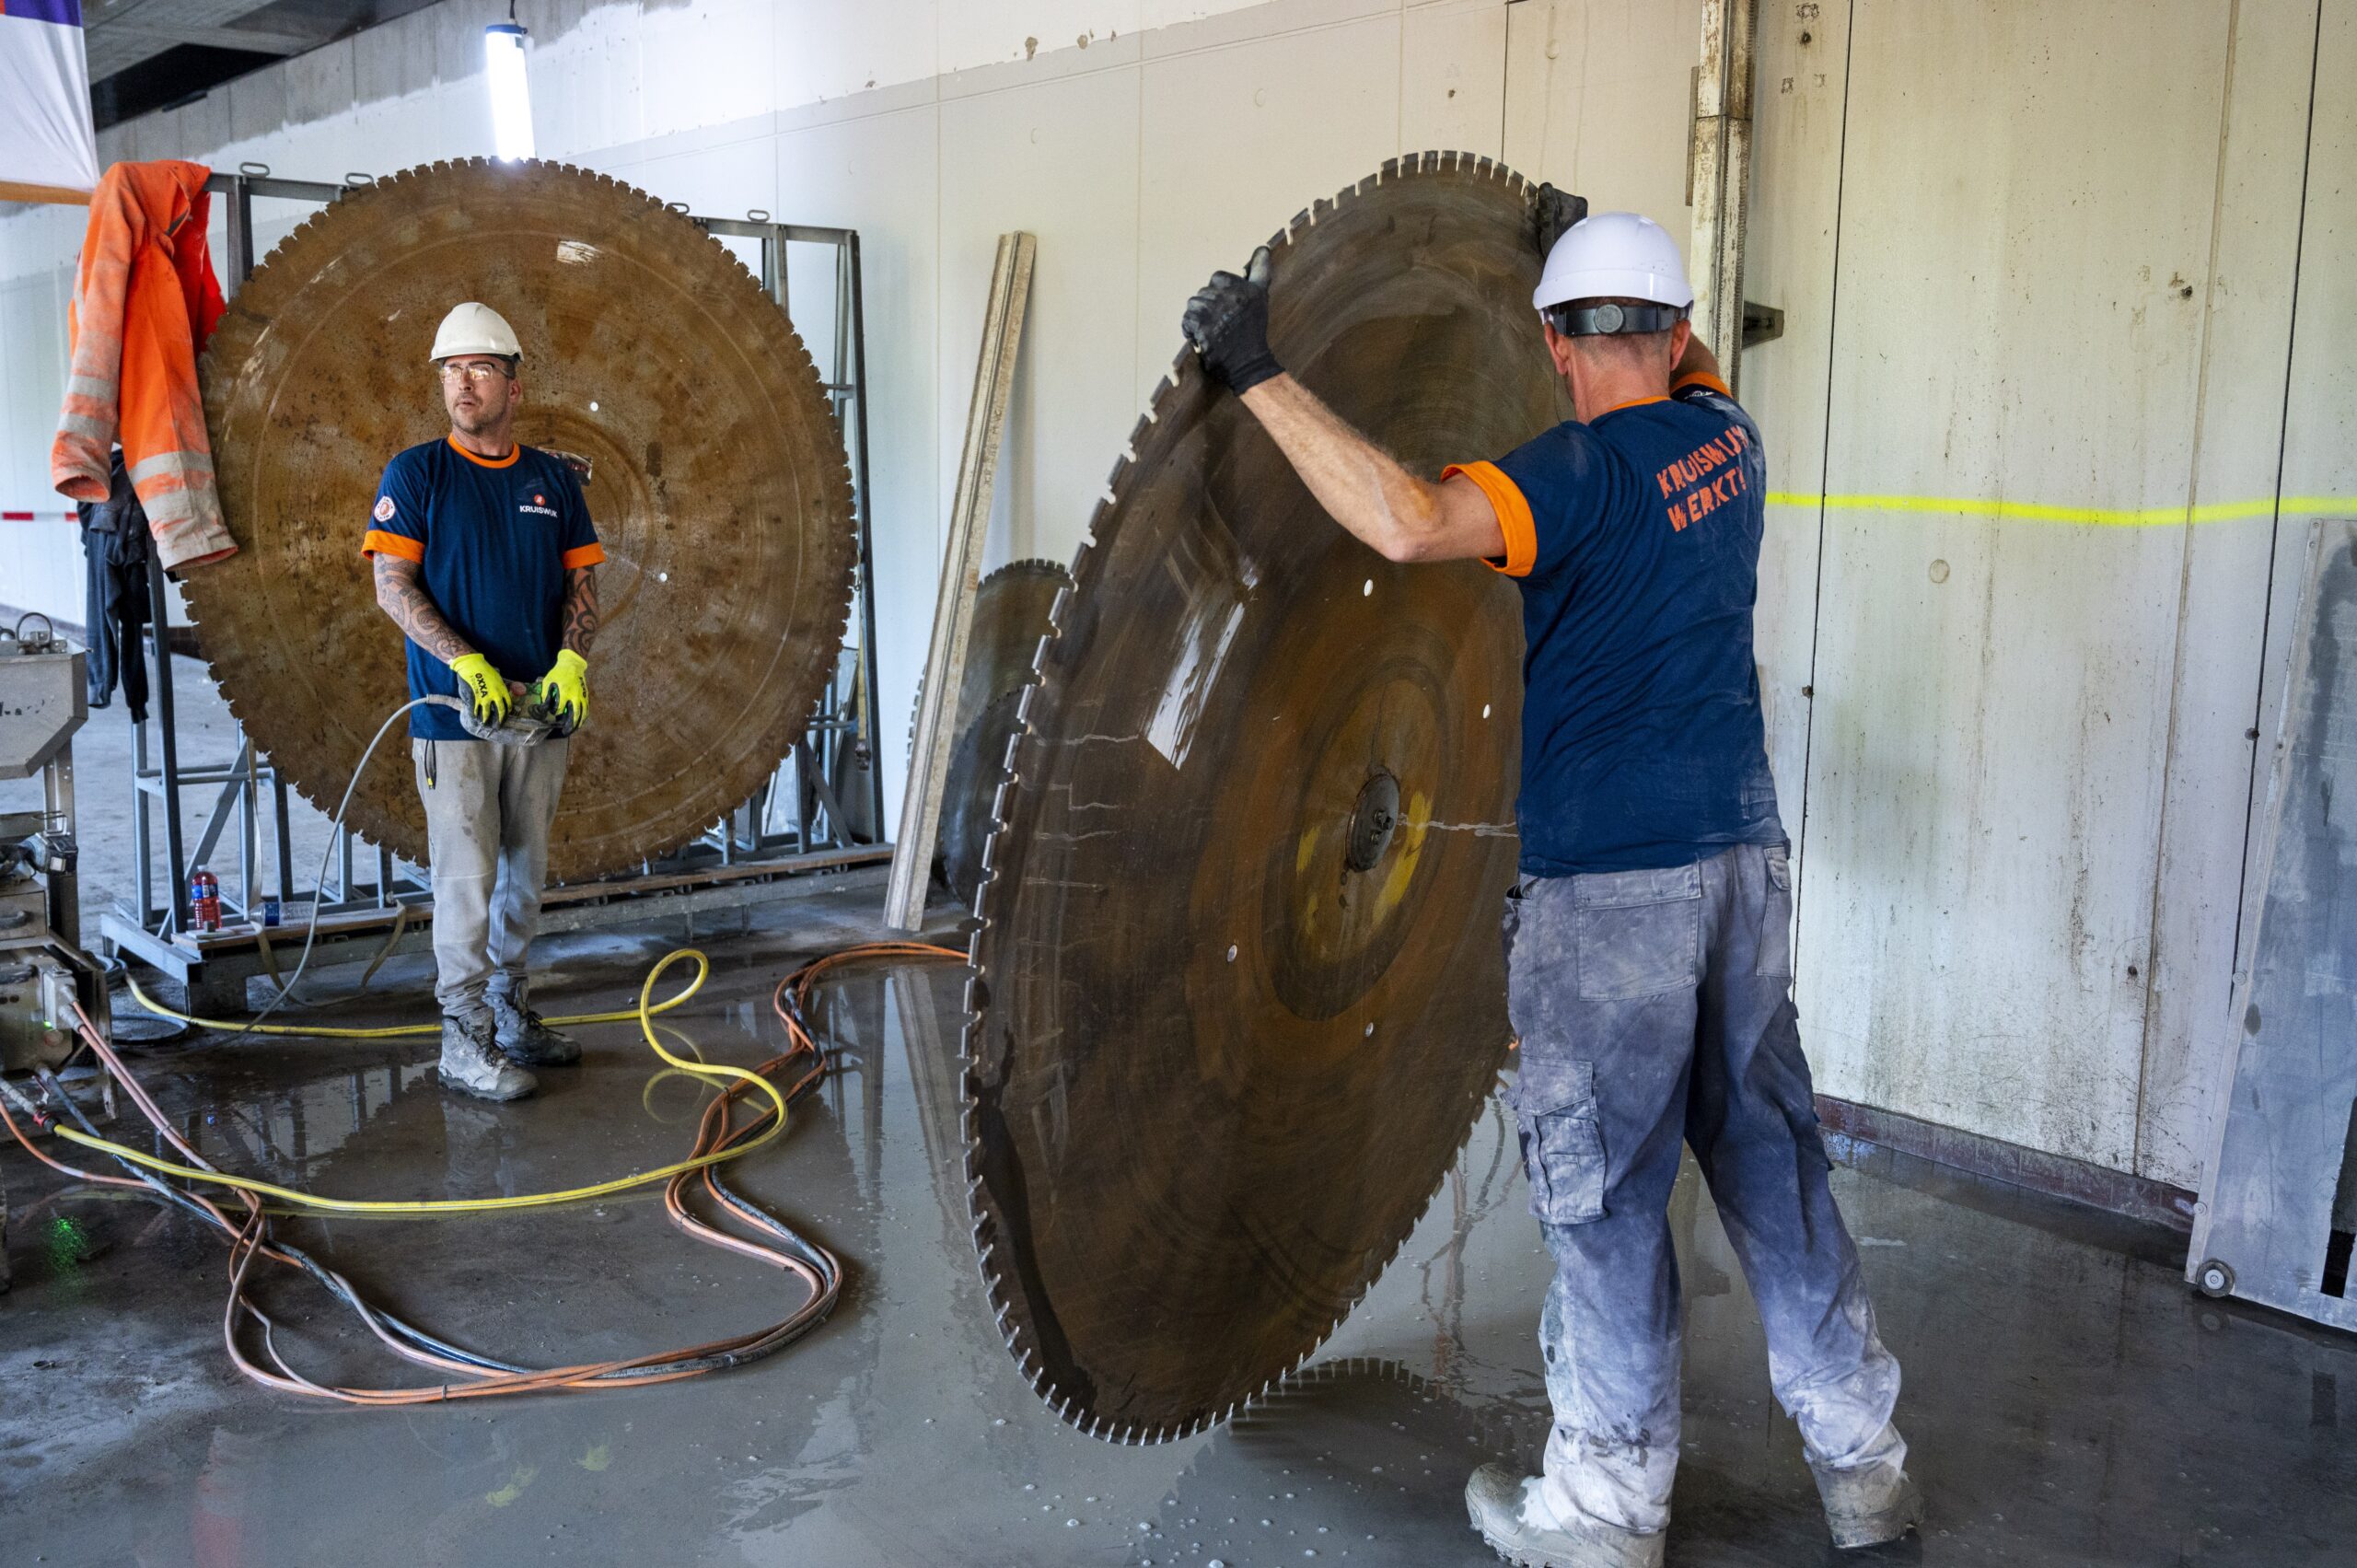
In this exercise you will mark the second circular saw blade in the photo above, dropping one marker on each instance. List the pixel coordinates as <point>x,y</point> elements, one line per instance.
<point>717,482</point>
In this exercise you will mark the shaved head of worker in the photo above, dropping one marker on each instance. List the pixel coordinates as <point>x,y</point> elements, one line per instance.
<point>1648,937</point>
<point>486,560</point>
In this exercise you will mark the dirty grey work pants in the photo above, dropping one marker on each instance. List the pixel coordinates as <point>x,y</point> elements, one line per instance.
<point>1656,1008</point>
<point>488,810</point>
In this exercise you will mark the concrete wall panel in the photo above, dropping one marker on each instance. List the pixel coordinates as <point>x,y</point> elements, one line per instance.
<point>1058,159</point>
<point>1452,77</point>
<point>1598,100</point>
<point>1789,256</point>
<point>1237,139</point>
<point>1990,717</point>
<point>2221,634</point>
<point>880,175</point>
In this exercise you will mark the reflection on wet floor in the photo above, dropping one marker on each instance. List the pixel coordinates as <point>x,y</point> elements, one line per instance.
<point>2069,1403</point>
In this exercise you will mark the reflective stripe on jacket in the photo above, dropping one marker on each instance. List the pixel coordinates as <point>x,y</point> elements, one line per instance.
<point>144,304</point>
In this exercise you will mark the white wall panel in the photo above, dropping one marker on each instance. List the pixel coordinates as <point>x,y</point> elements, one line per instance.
<point>2319,456</point>
<point>989,35</point>
<point>33,388</point>
<point>2319,463</point>
<point>1598,100</point>
<point>1789,256</point>
<point>1993,697</point>
<point>1058,159</point>
<point>718,55</point>
<point>1452,77</point>
<point>1237,139</point>
<point>880,174</point>
<point>831,51</point>
<point>2221,633</point>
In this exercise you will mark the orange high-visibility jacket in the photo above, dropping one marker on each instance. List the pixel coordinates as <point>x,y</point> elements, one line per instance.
<point>144,304</point>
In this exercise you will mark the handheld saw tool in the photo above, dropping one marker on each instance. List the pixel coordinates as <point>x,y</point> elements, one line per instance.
<point>527,723</point>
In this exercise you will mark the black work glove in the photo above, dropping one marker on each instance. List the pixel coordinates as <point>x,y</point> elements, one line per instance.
<point>1553,212</point>
<point>1228,323</point>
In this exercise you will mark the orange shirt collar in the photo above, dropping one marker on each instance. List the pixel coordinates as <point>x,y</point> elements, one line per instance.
<point>1616,408</point>
<point>514,452</point>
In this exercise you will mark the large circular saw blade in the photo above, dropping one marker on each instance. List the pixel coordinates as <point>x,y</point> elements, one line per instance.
<point>717,482</point>
<point>1238,986</point>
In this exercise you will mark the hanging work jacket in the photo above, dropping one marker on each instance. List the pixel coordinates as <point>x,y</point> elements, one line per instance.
<point>115,547</point>
<point>144,304</point>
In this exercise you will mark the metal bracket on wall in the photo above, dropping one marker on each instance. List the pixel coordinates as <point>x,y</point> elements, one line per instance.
<point>1761,323</point>
<point>970,512</point>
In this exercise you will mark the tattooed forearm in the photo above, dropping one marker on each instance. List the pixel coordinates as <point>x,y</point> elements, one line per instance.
<point>580,609</point>
<point>402,596</point>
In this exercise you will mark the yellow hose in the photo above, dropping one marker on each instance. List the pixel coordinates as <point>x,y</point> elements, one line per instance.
<point>398,1030</point>
<point>644,1013</point>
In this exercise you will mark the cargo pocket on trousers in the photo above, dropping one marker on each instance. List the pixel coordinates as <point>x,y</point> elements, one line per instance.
<point>1775,938</point>
<point>1563,1147</point>
<point>1638,932</point>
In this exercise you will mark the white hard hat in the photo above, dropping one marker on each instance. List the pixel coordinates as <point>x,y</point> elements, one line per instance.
<point>475,329</point>
<point>1614,256</point>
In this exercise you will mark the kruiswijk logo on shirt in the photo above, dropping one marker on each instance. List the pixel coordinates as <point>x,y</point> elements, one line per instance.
<point>537,504</point>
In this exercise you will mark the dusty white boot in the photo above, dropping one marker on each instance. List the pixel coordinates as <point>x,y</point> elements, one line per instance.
<point>472,1063</point>
<point>1495,1499</point>
<point>1869,1506</point>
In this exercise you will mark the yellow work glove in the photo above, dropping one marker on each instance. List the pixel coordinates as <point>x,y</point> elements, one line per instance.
<point>563,692</point>
<point>483,689</point>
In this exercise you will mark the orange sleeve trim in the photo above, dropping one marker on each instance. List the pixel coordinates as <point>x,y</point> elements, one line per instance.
<point>584,556</point>
<point>1702,378</point>
<point>377,539</point>
<point>1513,515</point>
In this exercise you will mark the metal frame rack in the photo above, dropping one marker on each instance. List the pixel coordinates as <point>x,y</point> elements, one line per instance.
<point>741,861</point>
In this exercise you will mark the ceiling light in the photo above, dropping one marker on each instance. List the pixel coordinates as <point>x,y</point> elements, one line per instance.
<point>511,96</point>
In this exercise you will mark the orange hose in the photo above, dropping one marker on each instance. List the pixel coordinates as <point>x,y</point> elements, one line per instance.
<point>249,1240</point>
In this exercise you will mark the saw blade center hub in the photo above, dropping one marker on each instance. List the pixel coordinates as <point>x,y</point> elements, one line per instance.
<point>1373,820</point>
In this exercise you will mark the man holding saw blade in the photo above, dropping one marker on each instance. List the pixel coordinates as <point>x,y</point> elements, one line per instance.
<point>1649,934</point>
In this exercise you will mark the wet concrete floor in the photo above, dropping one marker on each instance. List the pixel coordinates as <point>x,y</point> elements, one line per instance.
<point>2068,1400</point>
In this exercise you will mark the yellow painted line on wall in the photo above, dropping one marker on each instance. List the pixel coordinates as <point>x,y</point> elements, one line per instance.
<point>2087,516</point>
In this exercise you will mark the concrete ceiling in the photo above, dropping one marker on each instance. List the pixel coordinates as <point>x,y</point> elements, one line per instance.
<point>148,55</point>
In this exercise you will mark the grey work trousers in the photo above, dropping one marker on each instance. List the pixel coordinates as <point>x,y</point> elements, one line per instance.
<point>1655,1009</point>
<point>489,806</point>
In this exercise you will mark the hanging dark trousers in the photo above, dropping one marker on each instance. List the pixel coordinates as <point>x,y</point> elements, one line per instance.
<point>115,546</point>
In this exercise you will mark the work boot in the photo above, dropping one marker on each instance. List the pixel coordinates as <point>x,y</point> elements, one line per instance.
<point>524,1039</point>
<point>472,1063</point>
<point>1499,1500</point>
<point>1868,1505</point>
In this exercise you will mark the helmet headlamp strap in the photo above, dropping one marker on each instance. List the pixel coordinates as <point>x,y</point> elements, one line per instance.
<point>1608,319</point>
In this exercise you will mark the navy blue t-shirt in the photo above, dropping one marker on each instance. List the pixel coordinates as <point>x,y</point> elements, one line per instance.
<point>495,540</point>
<point>1635,539</point>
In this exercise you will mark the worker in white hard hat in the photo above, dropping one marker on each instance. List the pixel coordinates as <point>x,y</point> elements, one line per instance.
<point>1649,936</point>
<point>485,558</point>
